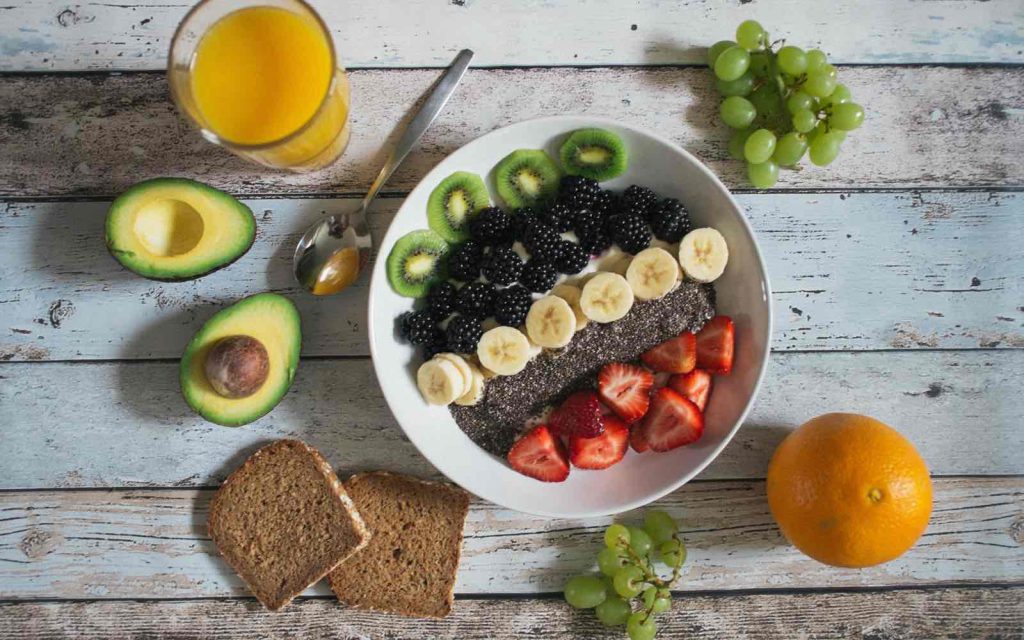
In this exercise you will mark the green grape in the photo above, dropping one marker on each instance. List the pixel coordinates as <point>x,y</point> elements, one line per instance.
<point>789,149</point>
<point>760,63</point>
<point>819,85</point>
<point>750,35</point>
<point>792,60</point>
<point>759,146</point>
<point>660,526</point>
<point>838,134</point>
<point>716,49</point>
<point>839,95</point>
<point>611,560</point>
<point>732,63</point>
<point>804,121</point>
<point>584,592</point>
<point>672,552</point>
<point>824,148</point>
<point>816,59</point>
<point>662,602</point>
<point>766,101</point>
<point>640,541</point>
<point>613,611</point>
<point>799,100</point>
<point>741,86</point>
<point>846,116</point>
<point>828,70</point>
<point>629,581</point>
<point>737,112</point>
<point>616,535</point>
<point>736,142</point>
<point>764,175</point>
<point>640,626</point>
<point>648,596</point>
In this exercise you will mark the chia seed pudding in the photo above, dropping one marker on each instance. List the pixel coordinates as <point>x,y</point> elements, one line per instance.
<point>511,402</point>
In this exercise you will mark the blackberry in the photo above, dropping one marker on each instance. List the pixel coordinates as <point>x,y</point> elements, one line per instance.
<point>475,300</point>
<point>542,242</point>
<point>491,227</point>
<point>502,265</point>
<point>639,200</point>
<point>630,232</point>
<point>670,221</point>
<point>438,343</point>
<point>607,203</point>
<point>464,261</point>
<point>417,326</point>
<point>521,221</point>
<point>511,306</point>
<point>577,191</point>
<point>596,244</point>
<point>587,222</point>
<point>441,300</point>
<point>463,334</point>
<point>558,216</point>
<point>538,275</point>
<point>572,258</point>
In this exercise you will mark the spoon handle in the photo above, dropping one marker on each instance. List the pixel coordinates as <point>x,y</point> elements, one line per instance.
<point>421,121</point>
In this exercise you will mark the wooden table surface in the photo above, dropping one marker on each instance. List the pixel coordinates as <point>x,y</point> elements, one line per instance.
<point>897,274</point>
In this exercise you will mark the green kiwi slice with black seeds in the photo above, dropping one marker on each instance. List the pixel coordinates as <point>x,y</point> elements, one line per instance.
<point>526,178</point>
<point>454,202</point>
<point>597,154</point>
<point>416,262</point>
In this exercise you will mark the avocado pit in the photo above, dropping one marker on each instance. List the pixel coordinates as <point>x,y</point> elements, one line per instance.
<point>237,366</point>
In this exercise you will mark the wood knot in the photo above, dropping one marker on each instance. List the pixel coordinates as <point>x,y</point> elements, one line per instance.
<point>38,542</point>
<point>1017,531</point>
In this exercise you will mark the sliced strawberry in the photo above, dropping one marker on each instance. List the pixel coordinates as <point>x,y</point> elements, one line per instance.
<point>694,386</point>
<point>580,415</point>
<point>540,455</point>
<point>604,450</point>
<point>715,345</point>
<point>672,421</point>
<point>626,388</point>
<point>636,438</point>
<point>678,355</point>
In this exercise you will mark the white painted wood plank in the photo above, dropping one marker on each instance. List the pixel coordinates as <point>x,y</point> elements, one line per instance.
<point>95,135</point>
<point>125,424</point>
<point>51,35</point>
<point>928,614</point>
<point>850,271</point>
<point>153,544</point>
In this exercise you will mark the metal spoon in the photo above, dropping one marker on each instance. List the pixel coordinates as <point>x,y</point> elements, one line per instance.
<point>332,252</point>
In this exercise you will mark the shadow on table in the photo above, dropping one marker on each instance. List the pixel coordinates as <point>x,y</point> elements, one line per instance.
<point>69,246</point>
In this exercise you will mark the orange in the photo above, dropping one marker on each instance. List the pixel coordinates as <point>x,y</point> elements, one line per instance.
<point>849,491</point>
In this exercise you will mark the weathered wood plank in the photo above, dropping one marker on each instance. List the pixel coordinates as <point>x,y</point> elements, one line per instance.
<point>61,422</point>
<point>153,544</point>
<point>931,614</point>
<point>392,33</point>
<point>850,271</point>
<point>95,135</point>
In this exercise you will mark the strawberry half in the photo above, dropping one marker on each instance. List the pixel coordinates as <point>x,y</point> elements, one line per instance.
<point>604,450</point>
<point>540,455</point>
<point>715,345</point>
<point>626,389</point>
<point>672,421</point>
<point>636,438</point>
<point>678,355</point>
<point>694,386</point>
<point>580,415</point>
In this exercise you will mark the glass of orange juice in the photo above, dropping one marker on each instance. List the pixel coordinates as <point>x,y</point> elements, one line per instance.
<point>261,79</point>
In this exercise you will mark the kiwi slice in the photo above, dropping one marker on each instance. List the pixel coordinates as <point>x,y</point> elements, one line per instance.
<point>454,202</point>
<point>597,154</point>
<point>417,262</point>
<point>526,177</point>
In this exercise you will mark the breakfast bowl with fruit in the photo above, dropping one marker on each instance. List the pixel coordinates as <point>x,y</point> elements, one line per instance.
<point>571,317</point>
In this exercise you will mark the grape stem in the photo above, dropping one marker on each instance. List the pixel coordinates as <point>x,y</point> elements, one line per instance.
<point>650,577</point>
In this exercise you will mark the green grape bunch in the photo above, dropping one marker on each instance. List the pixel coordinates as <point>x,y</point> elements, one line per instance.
<point>783,102</point>
<point>629,591</point>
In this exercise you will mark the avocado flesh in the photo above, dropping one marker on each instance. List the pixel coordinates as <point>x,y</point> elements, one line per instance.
<point>268,317</point>
<point>177,229</point>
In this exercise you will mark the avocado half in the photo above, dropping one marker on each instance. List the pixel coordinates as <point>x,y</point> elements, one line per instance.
<point>177,229</point>
<point>268,317</point>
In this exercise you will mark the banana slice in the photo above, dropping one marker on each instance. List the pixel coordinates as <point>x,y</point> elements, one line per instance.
<point>504,350</point>
<point>475,392</point>
<point>460,363</point>
<point>550,322</point>
<point>439,381</point>
<point>703,254</point>
<point>606,297</point>
<point>652,273</point>
<point>571,294</point>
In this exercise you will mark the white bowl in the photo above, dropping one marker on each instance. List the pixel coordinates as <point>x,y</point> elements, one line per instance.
<point>742,293</point>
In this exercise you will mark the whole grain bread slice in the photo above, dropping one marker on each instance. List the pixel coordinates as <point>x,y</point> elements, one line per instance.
<point>283,520</point>
<point>409,565</point>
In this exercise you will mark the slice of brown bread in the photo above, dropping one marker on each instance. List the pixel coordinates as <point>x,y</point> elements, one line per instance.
<point>283,520</point>
<point>410,563</point>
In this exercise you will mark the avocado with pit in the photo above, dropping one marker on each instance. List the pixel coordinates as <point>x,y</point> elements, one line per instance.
<point>175,229</point>
<point>240,364</point>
